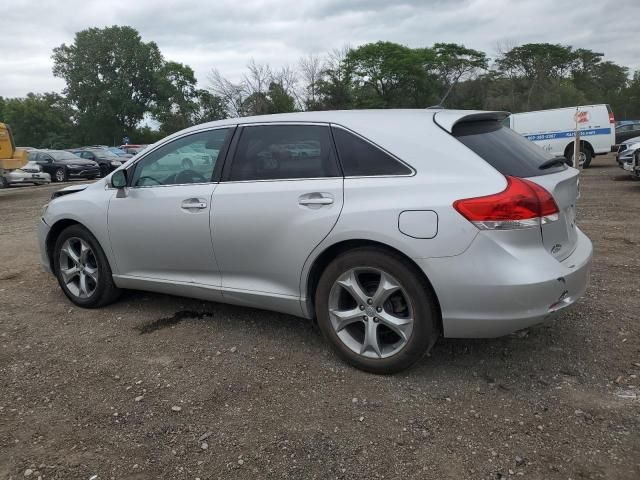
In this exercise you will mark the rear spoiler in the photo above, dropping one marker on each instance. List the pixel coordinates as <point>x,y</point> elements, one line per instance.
<point>447,119</point>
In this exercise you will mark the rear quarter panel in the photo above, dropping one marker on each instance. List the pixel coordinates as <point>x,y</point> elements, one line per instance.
<point>445,171</point>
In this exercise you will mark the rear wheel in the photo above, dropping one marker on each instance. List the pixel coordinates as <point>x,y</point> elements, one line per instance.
<point>4,183</point>
<point>376,311</point>
<point>104,171</point>
<point>82,269</point>
<point>586,155</point>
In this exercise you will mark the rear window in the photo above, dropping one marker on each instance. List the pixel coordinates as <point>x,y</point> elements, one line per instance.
<point>505,150</point>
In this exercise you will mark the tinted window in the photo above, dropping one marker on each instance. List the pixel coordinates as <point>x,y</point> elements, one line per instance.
<point>189,159</point>
<point>271,152</point>
<point>504,149</point>
<point>61,155</point>
<point>359,158</point>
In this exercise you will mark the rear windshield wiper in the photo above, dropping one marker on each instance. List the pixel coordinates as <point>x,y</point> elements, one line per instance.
<point>553,162</point>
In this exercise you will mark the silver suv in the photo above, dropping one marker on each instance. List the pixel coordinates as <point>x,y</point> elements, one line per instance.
<point>393,228</point>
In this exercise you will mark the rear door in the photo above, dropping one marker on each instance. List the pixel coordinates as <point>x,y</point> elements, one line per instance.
<point>280,196</point>
<point>513,155</point>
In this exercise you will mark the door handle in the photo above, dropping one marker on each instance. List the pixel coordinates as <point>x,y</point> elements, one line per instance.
<point>194,204</point>
<point>315,199</point>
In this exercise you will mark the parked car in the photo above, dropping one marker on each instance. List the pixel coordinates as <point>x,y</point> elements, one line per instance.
<point>106,160</point>
<point>62,165</point>
<point>133,149</point>
<point>627,130</point>
<point>396,227</point>
<point>627,151</point>
<point>120,153</point>
<point>554,130</point>
<point>31,173</point>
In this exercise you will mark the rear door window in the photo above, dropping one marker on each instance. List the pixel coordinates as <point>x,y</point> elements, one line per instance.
<point>273,152</point>
<point>360,158</point>
<point>505,150</point>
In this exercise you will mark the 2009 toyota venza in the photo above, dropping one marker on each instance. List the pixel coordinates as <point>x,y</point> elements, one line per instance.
<point>389,227</point>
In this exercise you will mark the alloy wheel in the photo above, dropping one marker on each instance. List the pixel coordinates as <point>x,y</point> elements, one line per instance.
<point>60,175</point>
<point>370,312</point>
<point>78,267</point>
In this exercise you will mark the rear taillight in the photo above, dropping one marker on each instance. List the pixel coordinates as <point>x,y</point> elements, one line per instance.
<point>612,119</point>
<point>522,204</point>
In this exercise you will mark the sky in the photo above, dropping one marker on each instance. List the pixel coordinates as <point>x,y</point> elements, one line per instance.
<point>227,34</point>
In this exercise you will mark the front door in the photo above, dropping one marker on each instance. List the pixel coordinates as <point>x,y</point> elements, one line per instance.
<point>159,227</point>
<point>280,197</point>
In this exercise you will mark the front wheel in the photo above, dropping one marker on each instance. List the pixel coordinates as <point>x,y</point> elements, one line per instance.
<point>376,310</point>
<point>82,269</point>
<point>60,175</point>
<point>104,171</point>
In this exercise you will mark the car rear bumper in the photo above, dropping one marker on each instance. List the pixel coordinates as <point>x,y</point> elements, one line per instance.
<point>493,289</point>
<point>43,232</point>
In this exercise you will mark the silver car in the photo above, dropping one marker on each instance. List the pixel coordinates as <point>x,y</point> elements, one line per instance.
<point>398,226</point>
<point>31,173</point>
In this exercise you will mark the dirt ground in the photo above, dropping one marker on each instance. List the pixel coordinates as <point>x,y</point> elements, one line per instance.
<point>165,387</point>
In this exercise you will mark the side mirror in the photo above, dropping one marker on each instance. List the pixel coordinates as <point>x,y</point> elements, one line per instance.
<point>119,179</point>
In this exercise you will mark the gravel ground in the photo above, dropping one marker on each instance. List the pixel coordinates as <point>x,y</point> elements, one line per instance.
<point>165,387</point>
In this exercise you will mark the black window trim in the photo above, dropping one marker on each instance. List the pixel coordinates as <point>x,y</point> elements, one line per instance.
<point>217,170</point>
<point>231,153</point>
<point>375,145</point>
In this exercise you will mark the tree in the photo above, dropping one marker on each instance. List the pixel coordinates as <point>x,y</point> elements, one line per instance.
<point>311,68</point>
<point>176,97</point>
<point>389,75</point>
<point>279,100</point>
<point>111,77</point>
<point>210,107</point>
<point>39,120</point>
<point>335,86</point>
<point>536,68</point>
<point>454,63</point>
<point>232,94</point>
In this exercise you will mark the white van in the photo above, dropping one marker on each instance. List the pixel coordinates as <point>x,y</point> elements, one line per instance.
<point>555,129</point>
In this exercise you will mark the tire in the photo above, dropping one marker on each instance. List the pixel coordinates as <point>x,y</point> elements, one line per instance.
<point>104,171</point>
<point>60,175</point>
<point>588,156</point>
<point>99,292</point>
<point>414,300</point>
<point>4,183</point>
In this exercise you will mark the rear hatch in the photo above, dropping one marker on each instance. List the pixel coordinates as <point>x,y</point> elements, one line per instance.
<point>514,156</point>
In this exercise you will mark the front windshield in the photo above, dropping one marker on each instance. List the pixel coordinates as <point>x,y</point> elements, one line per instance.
<point>61,155</point>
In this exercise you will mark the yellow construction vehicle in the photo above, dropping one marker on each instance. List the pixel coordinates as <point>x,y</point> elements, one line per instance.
<point>10,157</point>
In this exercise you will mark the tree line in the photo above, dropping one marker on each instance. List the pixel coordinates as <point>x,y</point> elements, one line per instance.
<point>117,84</point>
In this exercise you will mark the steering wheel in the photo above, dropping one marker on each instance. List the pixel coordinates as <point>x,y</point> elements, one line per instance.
<point>190,176</point>
<point>142,180</point>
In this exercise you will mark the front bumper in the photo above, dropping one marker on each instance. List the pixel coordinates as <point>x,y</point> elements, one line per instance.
<point>494,289</point>
<point>43,232</point>
<point>84,172</point>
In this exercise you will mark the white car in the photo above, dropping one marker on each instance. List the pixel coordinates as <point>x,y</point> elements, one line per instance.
<point>31,173</point>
